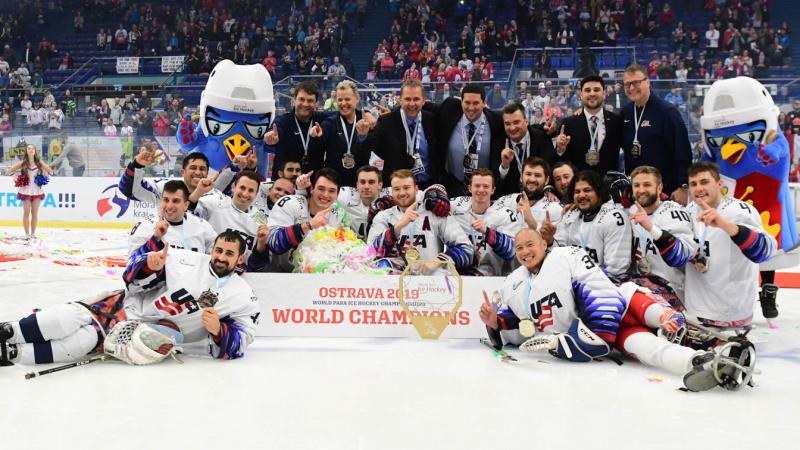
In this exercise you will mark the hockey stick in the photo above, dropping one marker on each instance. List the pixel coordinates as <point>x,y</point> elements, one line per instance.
<point>97,358</point>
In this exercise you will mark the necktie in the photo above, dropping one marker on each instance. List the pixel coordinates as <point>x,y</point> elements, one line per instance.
<point>519,149</point>
<point>473,146</point>
<point>594,136</point>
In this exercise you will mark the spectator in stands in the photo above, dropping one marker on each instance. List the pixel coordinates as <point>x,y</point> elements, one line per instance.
<point>125,129</point>
<point>161,124</point>
<point>78,22</point>
<point>712,40</point>
<point>100,40</point>
<point>26,105</point>
<point>4,67</point>
<point>69,104</point>
<point>55,118</point>
<point>145,101</point>
<point>109,129</point>
<point>675,98</point>
<point>144,123</point>
<point>115,111</point>
<point>121,38</point>
<point>103,112</point>
<point>5,125</point>
<point>66,62</point>
<point>495,99</point>
<point>35,119</point>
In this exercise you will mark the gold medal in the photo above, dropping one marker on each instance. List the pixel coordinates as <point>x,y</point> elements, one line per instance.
<point>527,328</point>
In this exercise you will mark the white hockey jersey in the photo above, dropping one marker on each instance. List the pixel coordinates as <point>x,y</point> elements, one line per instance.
<point>355,210</point>
<point>606,238</point>
<point>173,294</point>
<point>667,262</point>
<point>727,291</point>
<point>193,234</point>
<point>429,234</point>
<point>569,285</point>
<point>498,219</point>
<point>539,209</point>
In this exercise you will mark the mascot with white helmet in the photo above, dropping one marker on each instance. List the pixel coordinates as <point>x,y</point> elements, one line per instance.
<point>742,135</point>
<point>236,110</point>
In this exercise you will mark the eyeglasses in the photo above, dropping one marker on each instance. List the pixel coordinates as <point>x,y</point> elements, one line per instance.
<point>634,83</point>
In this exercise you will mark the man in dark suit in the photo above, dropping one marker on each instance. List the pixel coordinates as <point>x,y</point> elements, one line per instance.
<point>469,135</point>
<point>591,140</point>
<point>523,141</point>
<point>406,138</point>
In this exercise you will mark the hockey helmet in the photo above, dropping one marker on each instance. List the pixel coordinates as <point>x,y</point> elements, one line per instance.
<point>239,89</point>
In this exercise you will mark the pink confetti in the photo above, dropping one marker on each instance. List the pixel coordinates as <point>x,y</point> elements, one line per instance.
<point>655,379</point>
<point>773,327</point>
<point>111,272</point>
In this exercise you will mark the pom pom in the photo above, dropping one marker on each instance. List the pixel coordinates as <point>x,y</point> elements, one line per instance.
<point>22,180</point>
<point>41,180</point>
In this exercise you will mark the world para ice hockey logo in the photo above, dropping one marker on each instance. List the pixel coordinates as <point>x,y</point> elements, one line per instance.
<point>110,197</point>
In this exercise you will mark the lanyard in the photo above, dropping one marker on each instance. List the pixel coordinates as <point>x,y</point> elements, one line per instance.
<point>467,145</point>
<point>643,238</point>
<point>637,119</point>
<point>219,283</point>
<point>702,241</point>
<point>525,151</point>
<point>527,300</point>
<point>412,140</point>
<point>305,139</point>
<point>348,140</point>
<point>187,243</point>
<point>596,132</point>
<point>585,236</point>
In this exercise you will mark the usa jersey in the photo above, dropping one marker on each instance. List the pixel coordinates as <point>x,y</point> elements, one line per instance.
<point>494,250</point>
<point>172,294</point>
<point>193,234</point>
<point>429,234</point>
<point>286,219</point>
<point>262,197</point>
<point>569,285</point>
<point>221,213</point>
<point>355,211</point>
<point>669,254</point>
<point>539,210</point>
<point>728,290</point>
<point>606,238</point>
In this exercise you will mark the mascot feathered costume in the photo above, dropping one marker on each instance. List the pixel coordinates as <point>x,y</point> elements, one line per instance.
<point>236,110</point>
<point>742,135</point>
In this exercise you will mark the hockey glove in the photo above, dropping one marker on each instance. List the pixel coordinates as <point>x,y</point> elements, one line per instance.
<point>579,344</point>
<point>436,200</point>
<point>380,204</point>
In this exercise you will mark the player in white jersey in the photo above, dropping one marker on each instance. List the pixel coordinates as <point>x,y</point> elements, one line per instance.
<point>428,230</point>
<point>535,176</point>
<point>663,239</point>
<point>356,200</point>
<point>562,179</point>
<point>238,214</point>
<point>294,216</point>
<point>181,230</point>
<point>722,281</point>
<point>489,229</point>
<point>595,224</point>
<point>562,302</point>
<point>133,185</point>
<point>162,286</point>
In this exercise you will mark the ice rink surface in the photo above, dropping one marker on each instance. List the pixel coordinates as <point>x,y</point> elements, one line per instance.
<point>303,393</point>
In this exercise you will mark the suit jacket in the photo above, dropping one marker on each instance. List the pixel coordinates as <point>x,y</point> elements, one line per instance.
<point>388,141</point>
<point>577,129</point>
<point>448,115</point>
<point>539,145</point>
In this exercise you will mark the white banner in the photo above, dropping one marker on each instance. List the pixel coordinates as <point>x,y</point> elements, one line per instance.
<point>128,64</point>
<point>354,306</point>
<point>71,199</point>
<point>170,64</point>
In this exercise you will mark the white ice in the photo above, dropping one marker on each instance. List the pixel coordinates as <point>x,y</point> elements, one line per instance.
<point>303,393</point>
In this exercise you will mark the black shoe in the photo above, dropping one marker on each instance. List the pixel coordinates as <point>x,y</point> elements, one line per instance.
<point>7,351</point>
<point>767,297</point>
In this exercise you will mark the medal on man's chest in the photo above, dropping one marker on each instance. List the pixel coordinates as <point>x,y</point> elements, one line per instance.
<point>592,157</point>
<point>636,149</point>
<point>348,162</point>
<point>207,299</point>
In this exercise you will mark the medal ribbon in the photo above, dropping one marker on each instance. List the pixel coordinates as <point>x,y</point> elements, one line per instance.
<point>412,140</point>
<point>347,139</point>
<point>637,120</point>
<point>305,139</point>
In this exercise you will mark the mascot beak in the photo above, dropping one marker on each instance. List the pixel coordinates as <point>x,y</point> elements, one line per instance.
<point>732,151</point>
<point>236,145</point>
